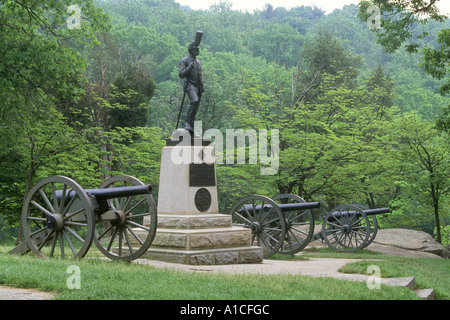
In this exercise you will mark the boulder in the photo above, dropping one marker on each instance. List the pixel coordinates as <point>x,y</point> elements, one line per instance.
<point>410,240</point>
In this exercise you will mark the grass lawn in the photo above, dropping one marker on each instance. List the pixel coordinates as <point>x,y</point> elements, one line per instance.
<point>108,280</point>
<point>428,272</point>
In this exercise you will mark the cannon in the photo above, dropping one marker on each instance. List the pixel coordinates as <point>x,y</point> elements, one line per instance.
<point>286,224</point>
<point>277,224</point>
<point>60,219</point>
<point>350,227</point>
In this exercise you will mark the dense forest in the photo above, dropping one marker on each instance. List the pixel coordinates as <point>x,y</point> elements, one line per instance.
<point>362,113</point>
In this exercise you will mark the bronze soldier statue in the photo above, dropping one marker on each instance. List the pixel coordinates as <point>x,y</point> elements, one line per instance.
<point>191,71</point>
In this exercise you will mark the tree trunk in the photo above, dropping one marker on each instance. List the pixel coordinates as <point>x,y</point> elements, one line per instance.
<point>434,191</point>
<point>436,216</point>
<point>438,223</point>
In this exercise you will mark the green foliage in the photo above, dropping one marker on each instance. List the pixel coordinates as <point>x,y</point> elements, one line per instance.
<point>269,44</point>
<point>336,126</point>
<point>423,156</point>
<point>99,101</point>
<point>400,22</point>
<point>437,63</point>
<point>41,73</point>
<point>37,51</point>
<point>398,19</point>
<point>130,106</point>
<point>138,153</point>
<point>445,232</point>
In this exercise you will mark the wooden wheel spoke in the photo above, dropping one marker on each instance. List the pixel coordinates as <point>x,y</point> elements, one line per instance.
<point>127,212</point>
<point>72,232</point>
<point>46,200</point>
<point>69,205</point>
<point>130,230</point>
<point>139,225</point>
<point>127,240</point>
<point>42,209</point>
<point>55,200</point>
<point>139,215</point>
<point>240,217</point>
<point>111,241</point>
<point>49,235</point>
<point>69,242</point>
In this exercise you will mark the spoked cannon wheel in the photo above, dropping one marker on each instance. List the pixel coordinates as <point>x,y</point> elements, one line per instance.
<point>373,226</point>
<point>299,225</point>
<point>346,228</point>
<point>58,219</point>
<point>129,234</point>
<point>264,217</point>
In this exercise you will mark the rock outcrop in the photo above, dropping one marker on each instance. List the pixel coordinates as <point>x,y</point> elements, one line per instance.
<point>410,240</point>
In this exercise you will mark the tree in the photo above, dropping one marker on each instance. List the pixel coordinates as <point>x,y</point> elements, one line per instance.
<point>399,21</point>
<point>40,73</point>
<point>130,98</point>
<point>423,153</point>
<point>324,55</point>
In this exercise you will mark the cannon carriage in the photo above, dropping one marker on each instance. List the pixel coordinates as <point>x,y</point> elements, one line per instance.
<point>286,224</point>
<point>60,219</point>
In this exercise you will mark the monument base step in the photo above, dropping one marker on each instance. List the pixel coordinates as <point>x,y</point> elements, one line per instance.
<point>241,255</point>
<point>200,239</point>
<point>197,221</point>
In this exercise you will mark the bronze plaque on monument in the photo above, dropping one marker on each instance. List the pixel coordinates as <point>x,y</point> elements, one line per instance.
<point>202,175</point>
<point>203,200</point>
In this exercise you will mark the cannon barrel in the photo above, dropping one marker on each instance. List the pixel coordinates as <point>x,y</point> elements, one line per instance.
<point>108,193</point>
<point>372,212</point>
<point>368,212</point>
<point>285,207</point>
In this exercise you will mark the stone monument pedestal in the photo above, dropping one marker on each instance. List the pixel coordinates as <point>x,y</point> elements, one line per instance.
<point>190,228</point>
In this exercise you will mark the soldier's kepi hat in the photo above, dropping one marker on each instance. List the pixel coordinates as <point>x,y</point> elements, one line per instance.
<point>196,43</point>
<point>198,37</point>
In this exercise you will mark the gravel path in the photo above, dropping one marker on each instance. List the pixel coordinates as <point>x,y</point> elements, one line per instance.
<point>312,267</point>
<point>7,293</point>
